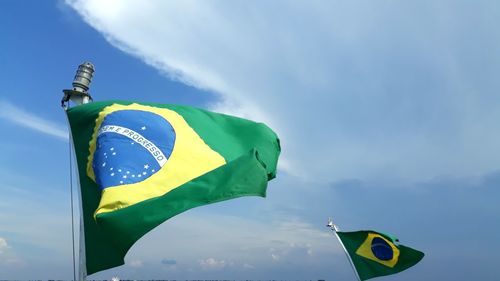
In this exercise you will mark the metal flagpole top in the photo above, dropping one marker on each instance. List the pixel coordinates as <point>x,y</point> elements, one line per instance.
<point>336,229</point>
<point>331,225</point>
<point>81,84</point>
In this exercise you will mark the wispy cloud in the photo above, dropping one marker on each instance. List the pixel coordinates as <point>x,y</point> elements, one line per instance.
<point>355,89</point>
<point>233,241</point>
<point>14,114</point>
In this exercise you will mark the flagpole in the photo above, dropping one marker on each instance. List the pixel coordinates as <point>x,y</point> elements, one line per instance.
<point>78,95</point>
<point>335,228</point>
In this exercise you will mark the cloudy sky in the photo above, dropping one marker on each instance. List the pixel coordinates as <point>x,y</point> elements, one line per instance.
<point>387,113</point>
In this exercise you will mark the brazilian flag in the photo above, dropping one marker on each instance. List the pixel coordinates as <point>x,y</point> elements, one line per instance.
<point>141,164</point>
<point>376,254</point>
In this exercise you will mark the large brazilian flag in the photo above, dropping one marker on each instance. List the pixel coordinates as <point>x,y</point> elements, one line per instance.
<point>376,254</point>
<point>141,164</point>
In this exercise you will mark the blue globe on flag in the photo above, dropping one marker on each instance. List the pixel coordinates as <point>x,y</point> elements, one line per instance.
<point>132,145</point>
<point>381,249</point>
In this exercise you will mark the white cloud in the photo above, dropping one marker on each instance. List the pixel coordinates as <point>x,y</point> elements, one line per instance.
<point>248,266</point>
<point>212,264</point>
<point>354,89</point>
<point>275,257</point>
<point>8,258</point>
<point>28,120</point>
<point>227,241</point>
<point>136,263</point>
<point>291,251</point>
<point>3,244</point>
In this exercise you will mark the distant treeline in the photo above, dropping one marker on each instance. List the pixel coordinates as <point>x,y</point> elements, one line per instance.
<point>164,280</point>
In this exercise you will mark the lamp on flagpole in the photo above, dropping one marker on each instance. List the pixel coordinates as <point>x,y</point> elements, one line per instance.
<point>81,83</point>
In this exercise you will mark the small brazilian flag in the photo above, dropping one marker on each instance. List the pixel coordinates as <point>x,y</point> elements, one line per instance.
<point>141,164</point>
<point>375,254</point>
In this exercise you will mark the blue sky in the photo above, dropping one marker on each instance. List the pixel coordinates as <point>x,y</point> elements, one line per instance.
<point>387,113</point>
